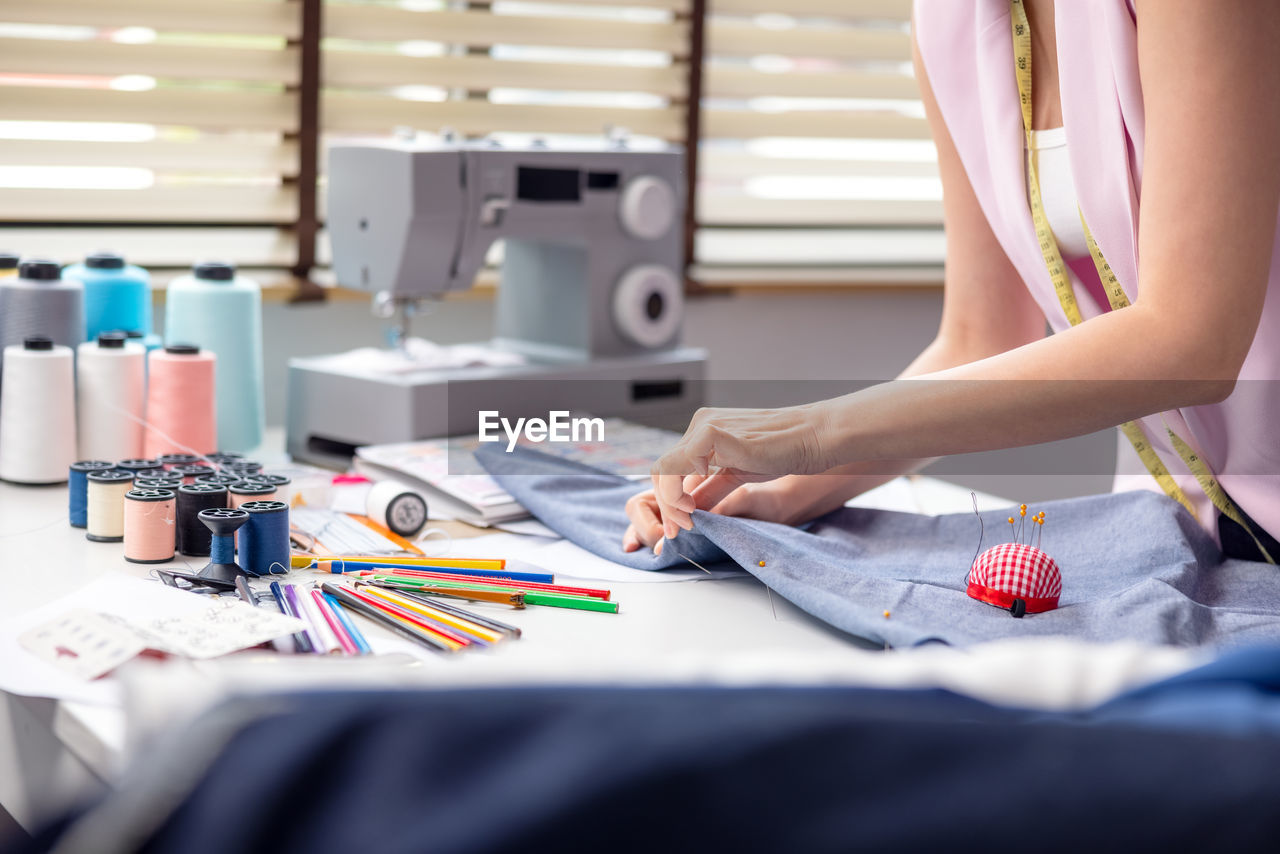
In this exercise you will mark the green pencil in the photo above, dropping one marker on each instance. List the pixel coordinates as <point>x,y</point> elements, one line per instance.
<point>557,601</point>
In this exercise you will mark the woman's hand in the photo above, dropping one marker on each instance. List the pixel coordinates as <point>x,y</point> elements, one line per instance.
<point>745,446</point>
<point>722,492</point>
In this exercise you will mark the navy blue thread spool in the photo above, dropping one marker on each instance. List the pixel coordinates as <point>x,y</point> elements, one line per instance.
<point>171,460</point>
<point>192,471</point>
<point>264,540</point>
<point>164,481</point>
<point>222,524</point>
<point>193,536</point>
<point>140,466</point>
<point>78,483</point>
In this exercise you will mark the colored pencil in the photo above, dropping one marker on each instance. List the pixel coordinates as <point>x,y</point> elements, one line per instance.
<point>328,640</point>
<point>300,640</point>
<point>387,621</point>
<point>458,623</point>
<point>355,634</point>
<point>335,625</point>
<point>449,635</point>
<point>594,593</point>
<point>514,598</point>
<point>295,609</point>
<point>302,561</point>
<point>488,622</point>
<point>575,602</point>
<point>337,567</point>
<point>427,583</point>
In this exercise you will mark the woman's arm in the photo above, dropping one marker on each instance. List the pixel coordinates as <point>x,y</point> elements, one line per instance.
<point>1211,190</point>
<point>986,310</point>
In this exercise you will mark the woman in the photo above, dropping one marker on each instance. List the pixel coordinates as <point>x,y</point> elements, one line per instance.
<point>1153,128</point>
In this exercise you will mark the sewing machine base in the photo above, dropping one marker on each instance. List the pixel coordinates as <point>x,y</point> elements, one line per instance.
<point>332,410</point>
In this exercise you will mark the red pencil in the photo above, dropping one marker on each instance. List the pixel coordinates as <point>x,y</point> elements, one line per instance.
<point>492,582</point>
<point>339,630</point>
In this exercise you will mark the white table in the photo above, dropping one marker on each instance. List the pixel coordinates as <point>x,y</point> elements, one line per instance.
<point>54,751</point>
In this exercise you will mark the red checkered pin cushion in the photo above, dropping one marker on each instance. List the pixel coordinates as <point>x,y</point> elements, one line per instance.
<point>1013,573</point>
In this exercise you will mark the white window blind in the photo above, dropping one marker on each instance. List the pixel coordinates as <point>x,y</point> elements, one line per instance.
<point>159,128</point>
<point>815,159</point>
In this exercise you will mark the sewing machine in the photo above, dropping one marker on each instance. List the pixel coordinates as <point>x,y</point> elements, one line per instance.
<point>589,305</point>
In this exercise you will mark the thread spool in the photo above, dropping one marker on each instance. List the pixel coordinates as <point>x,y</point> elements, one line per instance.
<point>220,478</point>
<point>192,535</point>
<point>223,458</point>
<point>222,312</point>
<point>264,544</point>
<point>38,301</point>
<point>170,461</point>
<point>283,485</point>
<point>221,525</point>
<point>244,468</point>
<point>110,393</point>
<point>141,466</point>
<point>116,295</point>
<point>165,481</point>
<point>8,264</point>
<point>37,412</point>
<point>248,490</point>
<point>399,508</point>
<point>149,525</point>
<point>104,518</point>
<point>180,401</point>
<point>78,489</point>
<point>191,472</point>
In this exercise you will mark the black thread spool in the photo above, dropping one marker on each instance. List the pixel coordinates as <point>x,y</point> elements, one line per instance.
<point>142,467</point>
<point>192,471</point>
<point>171,460</point>
<point>165,481</point>
<point>193,536</point>
<point>223,458</point>
<point>222,524</point>
<point>219,478</point>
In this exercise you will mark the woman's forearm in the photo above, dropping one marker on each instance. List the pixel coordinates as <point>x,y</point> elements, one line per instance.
<point>1117,367</point>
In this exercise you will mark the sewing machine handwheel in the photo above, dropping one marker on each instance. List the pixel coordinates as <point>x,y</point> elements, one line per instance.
<point>647,305</point>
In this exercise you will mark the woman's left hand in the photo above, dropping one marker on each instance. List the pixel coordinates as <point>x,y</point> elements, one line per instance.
<point>753,444</point>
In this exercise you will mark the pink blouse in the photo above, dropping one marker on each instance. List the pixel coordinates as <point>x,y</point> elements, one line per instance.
<point>968,54</point>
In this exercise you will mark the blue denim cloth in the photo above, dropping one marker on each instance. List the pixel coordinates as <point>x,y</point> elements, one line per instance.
<point>1134,565</point>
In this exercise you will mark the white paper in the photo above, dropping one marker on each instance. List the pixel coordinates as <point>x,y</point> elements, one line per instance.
<point>83,643</point>
<point>225,626</point>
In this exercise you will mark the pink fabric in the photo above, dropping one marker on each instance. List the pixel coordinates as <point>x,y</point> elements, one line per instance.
<point>968,54</point>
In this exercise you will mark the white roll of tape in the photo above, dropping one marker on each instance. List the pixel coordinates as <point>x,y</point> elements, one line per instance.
<point>648,207</point>
<point>647,305</point>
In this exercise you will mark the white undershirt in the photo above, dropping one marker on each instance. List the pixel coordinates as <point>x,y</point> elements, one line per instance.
<point>1058,191</point>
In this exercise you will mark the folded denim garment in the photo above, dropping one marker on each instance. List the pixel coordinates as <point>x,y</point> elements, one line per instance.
<point>1134,565</point>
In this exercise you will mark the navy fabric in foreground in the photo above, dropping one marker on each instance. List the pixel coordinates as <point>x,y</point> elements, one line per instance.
<point>757,769</point>
<point>1134,565</point>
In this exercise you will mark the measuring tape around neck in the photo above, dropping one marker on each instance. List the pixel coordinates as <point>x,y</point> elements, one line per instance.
<point>1115,296</point>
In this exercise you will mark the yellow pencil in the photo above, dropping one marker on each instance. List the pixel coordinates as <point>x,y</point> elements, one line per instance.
<point>434,614</point>
<point>303,561</point>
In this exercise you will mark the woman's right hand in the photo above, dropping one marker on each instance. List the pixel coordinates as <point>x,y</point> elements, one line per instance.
<point>720,492</point>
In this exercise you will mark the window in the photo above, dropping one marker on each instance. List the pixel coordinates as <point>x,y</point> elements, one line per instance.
<point>171,131</point>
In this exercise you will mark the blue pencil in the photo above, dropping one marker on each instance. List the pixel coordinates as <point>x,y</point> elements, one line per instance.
<point>348,624</point>
<point>337,566</point>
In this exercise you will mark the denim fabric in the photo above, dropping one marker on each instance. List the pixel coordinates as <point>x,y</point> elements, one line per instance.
<point>1134,565</point>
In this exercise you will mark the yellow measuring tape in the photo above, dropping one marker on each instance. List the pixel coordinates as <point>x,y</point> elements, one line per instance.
<point>1115,296</point>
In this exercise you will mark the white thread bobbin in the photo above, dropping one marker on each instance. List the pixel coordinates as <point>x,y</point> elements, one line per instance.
<point>149,530</point>
<point>401,509</point>
<point>110,393</point>
<point>180,402</point>
<point>37,412</point>
<point>105,513</point>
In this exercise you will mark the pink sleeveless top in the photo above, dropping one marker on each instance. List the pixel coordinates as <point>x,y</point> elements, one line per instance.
<point>968,54</point>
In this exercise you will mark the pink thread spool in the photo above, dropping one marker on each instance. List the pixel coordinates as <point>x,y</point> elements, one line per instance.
<point>180,401</point>
<point>149,525</point>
